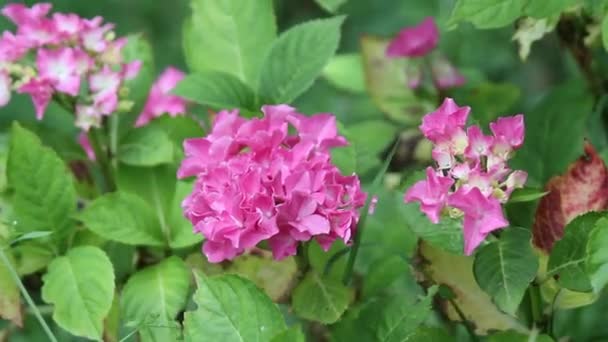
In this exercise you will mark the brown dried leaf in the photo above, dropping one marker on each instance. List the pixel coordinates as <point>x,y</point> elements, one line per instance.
<point>583,188</point>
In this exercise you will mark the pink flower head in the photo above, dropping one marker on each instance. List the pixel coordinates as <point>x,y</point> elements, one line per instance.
<point>509,130</point>
<point>22,15</point>
<point>445,75</point>
<point>479,144</point>
<point>12,47</point>
<point>5,88</point>
<point>60,68</point>
<point>471,173</point>
<point>160,100</point>
<point>67,25</point>
<point>415,41</point>
<point>432,193</point>
<point>255,181</point>
<point>482,215</point>
<point>445,122</point>
<point>41,91</point>
<point>93,35</point>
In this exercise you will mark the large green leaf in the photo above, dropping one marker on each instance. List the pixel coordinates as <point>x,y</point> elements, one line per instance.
<point>320,299</point>
<point>80,285</point>
<point>392,319</point>
<point>331,6</point>
<point>568,256</point>
<point>147,146</point>
<point>346,72</point>
<point>10,297</point>
<point>216,89</point>
<point>488,13</point>
<point>125,218</point>
<point>297,58</point>
<point>597,255</point>
<point>505,268</point>
<point>231,308</point>
<point>293,334</point>
<point>155,295</point>
<point>164,194</point>
<point>559,119</point>
<point>45,197</point>
<point>447,234</point>
<point>232,36</point>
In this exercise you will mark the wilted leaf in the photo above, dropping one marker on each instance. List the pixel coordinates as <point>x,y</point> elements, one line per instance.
<point>10,298</point>
<point>274,277</point>
<point>583,188</point>
<point>456,272</point>
<point>529,31</point>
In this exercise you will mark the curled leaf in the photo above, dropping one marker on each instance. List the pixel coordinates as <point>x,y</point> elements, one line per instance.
<point>583,188</point>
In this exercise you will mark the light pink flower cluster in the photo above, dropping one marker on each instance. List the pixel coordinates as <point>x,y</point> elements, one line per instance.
<point>72,57</point>
<point>160,101</point>
<point>472,177</point>
<point>420,41</point>
<point>257,181</point>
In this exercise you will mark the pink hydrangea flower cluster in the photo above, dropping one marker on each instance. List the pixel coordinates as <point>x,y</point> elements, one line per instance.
<point>71,57</point>
<point>472,177</point>
<point>420,41</point>
<point>257,181</point>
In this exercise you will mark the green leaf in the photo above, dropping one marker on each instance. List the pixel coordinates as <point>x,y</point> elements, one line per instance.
<point>10,297</point>
<point>560,118</point>
<point>485,14</point>
<point>231,308</point>
<point>358,157</point>
<point>346,72</point>
<point>293,334</point>
<point>383,273</point>
<point>331,6</point>
<point>547,8</point>
<point>392,321</point>
<point>320,299</point>
<point>138,48</point>
<point>80,285</point>
<point>597,255</point>
<point>32,256</point>
<point>489,100</point>
<point>377,135</point>
<point>147,146</point>
<point>123,217</point>
<point>447,234</point>
<point>31,236</point>
<point>526,195</point>
<point>45,197</point>
<point>387,83</point>
<point>231,36</point>
<point>164,194</point>
<point>430,334</point>
<point>157,293</point>
<point>568,256</point>
<point>605,32</point>
<point>505,268</point>
<point>284,75</point>
<point>276,278</point>
<point>216,89</point>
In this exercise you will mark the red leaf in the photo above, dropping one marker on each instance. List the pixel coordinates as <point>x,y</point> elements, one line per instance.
<point>583,188</point>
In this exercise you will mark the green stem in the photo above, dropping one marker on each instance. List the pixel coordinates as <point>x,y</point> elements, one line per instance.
<point>102,159</point>
<point>352,256</point>
<point>535,304</point>
<point>27,297</point>
<point>464,320</point>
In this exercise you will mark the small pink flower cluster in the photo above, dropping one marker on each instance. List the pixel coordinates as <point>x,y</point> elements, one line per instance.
<point>420,41</point>
<point>160,100</point>
<point>472,176</point>
<point>257,182</point>
<point>68,49</point>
